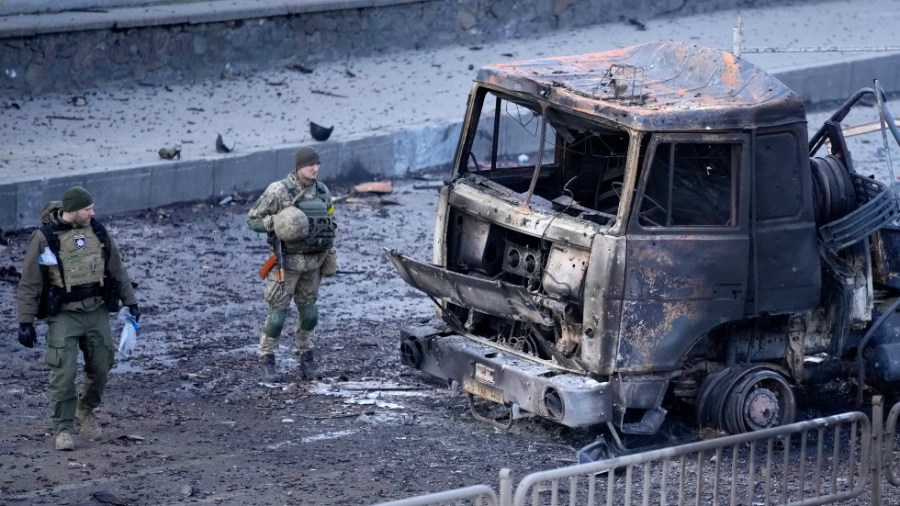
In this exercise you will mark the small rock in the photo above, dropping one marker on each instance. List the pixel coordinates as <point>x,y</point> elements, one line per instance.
<point>187,490</point>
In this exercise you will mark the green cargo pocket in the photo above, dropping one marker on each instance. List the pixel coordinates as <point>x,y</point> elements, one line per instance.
<point>54,356</point>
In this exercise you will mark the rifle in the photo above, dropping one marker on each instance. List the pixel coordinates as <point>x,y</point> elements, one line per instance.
<point>274,261</point>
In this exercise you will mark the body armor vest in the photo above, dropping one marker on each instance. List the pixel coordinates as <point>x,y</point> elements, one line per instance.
<point>81,258</point>
<point>314,203</point>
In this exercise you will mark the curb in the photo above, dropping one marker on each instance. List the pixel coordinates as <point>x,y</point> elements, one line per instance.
<point>396,154</point>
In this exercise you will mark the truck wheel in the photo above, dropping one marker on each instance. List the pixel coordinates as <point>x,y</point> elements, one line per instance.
<point>742,399</point>
<point>761,399</point>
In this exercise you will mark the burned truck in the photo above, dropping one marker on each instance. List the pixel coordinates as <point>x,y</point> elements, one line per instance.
<point>651,225</point>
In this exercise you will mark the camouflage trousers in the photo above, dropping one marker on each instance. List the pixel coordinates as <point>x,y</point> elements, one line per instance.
<point>303,288</point>
<point>68,332</point>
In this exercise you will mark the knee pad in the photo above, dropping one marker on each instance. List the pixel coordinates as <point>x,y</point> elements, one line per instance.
<point>308,316</point>
<point>274,322</point>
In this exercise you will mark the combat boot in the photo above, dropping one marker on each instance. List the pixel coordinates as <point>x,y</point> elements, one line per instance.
<point>65,442</point>
<point>308,369</point>
<point>88,422</point>
<point>270,373</point>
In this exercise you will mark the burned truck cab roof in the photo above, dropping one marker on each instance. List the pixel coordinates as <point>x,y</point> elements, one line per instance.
<point>657,86</point>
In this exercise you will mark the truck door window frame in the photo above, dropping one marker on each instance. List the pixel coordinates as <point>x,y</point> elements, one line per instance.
<point>693,174</point>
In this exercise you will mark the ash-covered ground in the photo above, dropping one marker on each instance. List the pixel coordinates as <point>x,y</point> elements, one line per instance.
<point>186,419</point>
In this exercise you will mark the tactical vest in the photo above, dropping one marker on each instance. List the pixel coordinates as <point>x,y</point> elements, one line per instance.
<point>314,204</point>
<point>80,253</point>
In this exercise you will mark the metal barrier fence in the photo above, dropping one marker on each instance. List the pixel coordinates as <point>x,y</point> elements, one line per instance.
<point>476,495</point>
<point>821,461</point>
<point>806,463</point>
<point>889,456</point>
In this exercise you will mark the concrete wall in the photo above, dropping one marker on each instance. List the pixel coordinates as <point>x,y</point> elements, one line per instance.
<point>13,7</point>
<point>164,44</point>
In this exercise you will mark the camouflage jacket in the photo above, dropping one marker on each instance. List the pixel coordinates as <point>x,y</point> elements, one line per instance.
<point>277,197</point>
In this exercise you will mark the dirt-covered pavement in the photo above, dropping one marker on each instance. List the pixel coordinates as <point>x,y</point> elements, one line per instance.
<point>186,419</point>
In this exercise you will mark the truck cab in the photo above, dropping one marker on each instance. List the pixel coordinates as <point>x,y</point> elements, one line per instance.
<point>624,228</point>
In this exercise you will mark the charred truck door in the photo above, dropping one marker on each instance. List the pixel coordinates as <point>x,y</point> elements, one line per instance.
<point>686,265</point>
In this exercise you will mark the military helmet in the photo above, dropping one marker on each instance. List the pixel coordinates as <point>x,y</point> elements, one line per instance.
<point>291,224</point>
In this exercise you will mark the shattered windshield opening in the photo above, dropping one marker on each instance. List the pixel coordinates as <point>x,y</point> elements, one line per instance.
<point>582,164</point>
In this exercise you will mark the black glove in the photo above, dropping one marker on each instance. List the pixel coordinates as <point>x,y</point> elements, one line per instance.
<point>135,312</point>
<point>27,335</point>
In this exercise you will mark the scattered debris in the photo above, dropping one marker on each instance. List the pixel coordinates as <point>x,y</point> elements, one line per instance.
<point>195,109</point>
<point>67,118</point>
<point>437,185</point>
<point>227,200</point>
<point>10,274</point>
<point>79,101</point>
<point>105,497</point>
<point>132,437</point>
<point>637,24</point>
<point>300,68</point>
<point>328,93</point>
<point>221,147</point>
<point>11,105</point>
<point>349,73</point>
<point>277,83</point>
<point>371,200</point>
<point>319,132</point>
<point>374,187</point>
<point>170,153</point>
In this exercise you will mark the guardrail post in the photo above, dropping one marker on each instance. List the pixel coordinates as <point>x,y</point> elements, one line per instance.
<point>505,487</point>
<point>877,452</point>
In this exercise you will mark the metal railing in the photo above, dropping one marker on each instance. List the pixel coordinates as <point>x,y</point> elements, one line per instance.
<point>822,461</point>
<point>889,457</point>
<point>476,495</point>
<point>806,463</point>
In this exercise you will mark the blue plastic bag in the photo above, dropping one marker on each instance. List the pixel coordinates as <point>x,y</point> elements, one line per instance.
<point>128,339</point>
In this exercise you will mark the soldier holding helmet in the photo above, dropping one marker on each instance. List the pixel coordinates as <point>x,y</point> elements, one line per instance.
<point>298,215</point>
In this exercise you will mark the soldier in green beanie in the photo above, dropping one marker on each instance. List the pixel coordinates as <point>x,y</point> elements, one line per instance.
<point>305,241</point>
<point>74,277</point>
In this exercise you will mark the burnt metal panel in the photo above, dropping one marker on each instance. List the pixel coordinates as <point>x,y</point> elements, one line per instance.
<point>564,272</point>
<point>682,87</point>
<point>487,296</point>
<point>678,287</point>
<point>886,256</point>
<point>501,209</point>
<point>603,295</point>
<point>577,400</point>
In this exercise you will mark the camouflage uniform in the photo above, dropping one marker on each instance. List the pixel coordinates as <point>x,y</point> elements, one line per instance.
<point>302,264</point>
<point>83,319</point>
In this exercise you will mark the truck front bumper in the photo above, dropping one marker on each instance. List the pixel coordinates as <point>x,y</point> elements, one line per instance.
<point>567,398</point>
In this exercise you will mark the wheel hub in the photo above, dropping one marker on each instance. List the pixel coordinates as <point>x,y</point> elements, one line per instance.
<point>761,408</point>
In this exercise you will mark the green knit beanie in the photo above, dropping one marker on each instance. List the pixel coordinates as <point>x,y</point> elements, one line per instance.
<point>305,156</point>
<point>76,198</point>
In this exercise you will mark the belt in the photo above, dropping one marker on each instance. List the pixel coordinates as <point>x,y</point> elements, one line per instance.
<point>81,292</point>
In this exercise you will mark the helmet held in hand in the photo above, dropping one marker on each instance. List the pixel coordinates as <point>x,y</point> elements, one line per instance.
<point>291,224</point>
